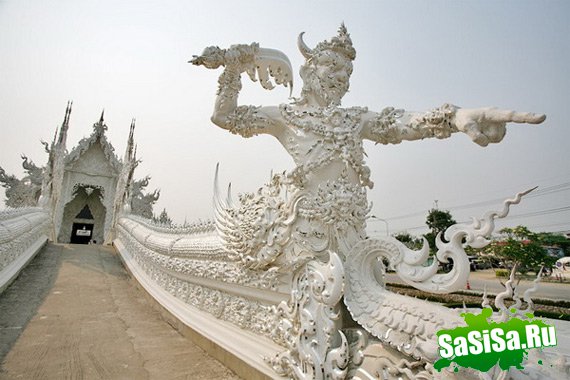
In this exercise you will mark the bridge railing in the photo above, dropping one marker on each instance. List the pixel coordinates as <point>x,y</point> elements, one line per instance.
<point>189,273</point>
<point>23,232</point>
<point>203,226</point>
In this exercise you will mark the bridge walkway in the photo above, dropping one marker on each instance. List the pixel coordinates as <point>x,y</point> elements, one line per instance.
<point>75,313</point>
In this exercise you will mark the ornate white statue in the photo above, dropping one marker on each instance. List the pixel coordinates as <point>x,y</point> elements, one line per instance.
<point>311,221</point>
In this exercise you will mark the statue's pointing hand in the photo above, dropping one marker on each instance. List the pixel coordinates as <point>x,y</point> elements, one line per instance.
<point>488,125</point>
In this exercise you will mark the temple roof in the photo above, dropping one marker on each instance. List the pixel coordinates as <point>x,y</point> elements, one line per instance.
<point>98,135</point>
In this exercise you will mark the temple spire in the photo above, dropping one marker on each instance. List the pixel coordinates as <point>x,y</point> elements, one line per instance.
<point>130,142</point>
<point>132,131</point>
<point>57,170</point>
<point>122,192</point>
<point>68,112</point>
<point>100,127</point>
<point>54,137</point>
<point>135,161</point>
<point>65,125</point>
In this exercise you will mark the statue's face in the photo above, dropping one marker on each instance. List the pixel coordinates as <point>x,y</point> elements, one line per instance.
<point>331,76</point>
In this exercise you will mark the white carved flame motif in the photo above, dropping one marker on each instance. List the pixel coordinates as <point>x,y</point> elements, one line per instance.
<point>259,229</point>
<point>309,324</point>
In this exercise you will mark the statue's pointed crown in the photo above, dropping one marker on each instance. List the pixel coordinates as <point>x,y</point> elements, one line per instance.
<point>340,43</point>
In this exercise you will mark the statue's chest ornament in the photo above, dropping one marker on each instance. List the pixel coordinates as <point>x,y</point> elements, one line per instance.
<point>336,134</point>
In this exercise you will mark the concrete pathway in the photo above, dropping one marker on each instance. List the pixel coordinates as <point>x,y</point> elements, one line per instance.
<point>74,313</point>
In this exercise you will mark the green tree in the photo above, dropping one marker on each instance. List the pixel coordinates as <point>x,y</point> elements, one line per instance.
<point>437,221</point>
<point>521,247</point>
<point>409,241</point>
<point>553,240</point>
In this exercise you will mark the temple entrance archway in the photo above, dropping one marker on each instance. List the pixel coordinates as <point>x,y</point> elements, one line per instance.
<point>84,216</point>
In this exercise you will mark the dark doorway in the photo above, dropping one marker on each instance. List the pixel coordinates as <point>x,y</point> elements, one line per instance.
<point>85,213</point>
<point>81,233</point>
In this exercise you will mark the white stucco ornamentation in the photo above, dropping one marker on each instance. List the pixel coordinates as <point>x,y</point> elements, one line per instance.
<point>92,163</point>
<point>23,232</point>
<point>23,192</point>
<point>311,221</point>
<point>412,266</point>
<point>195,267</point>
<point>338,136</point>
<point>309,324</point>
<point>257,231</point>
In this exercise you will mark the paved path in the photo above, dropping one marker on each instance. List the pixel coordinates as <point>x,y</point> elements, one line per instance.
<point>549,290</point>
<point>74,314</point>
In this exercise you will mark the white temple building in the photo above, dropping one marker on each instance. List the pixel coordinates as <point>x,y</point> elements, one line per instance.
<point>84,189</point>
<point>88,189</point>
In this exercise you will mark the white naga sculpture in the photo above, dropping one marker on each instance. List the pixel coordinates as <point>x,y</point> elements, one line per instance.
<point>311,221</point>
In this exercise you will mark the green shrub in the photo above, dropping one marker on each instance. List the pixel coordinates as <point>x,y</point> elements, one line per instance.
<point>502,273</point>
<point>552,315</point>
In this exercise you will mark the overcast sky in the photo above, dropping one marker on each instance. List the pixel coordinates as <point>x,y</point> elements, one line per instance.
<point>130,58</point>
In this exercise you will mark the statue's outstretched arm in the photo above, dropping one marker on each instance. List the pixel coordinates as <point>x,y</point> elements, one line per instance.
<point>482,125</point>
<point>256,62</point>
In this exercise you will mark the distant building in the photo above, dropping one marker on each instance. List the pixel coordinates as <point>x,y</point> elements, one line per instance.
<point>84,189</point>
